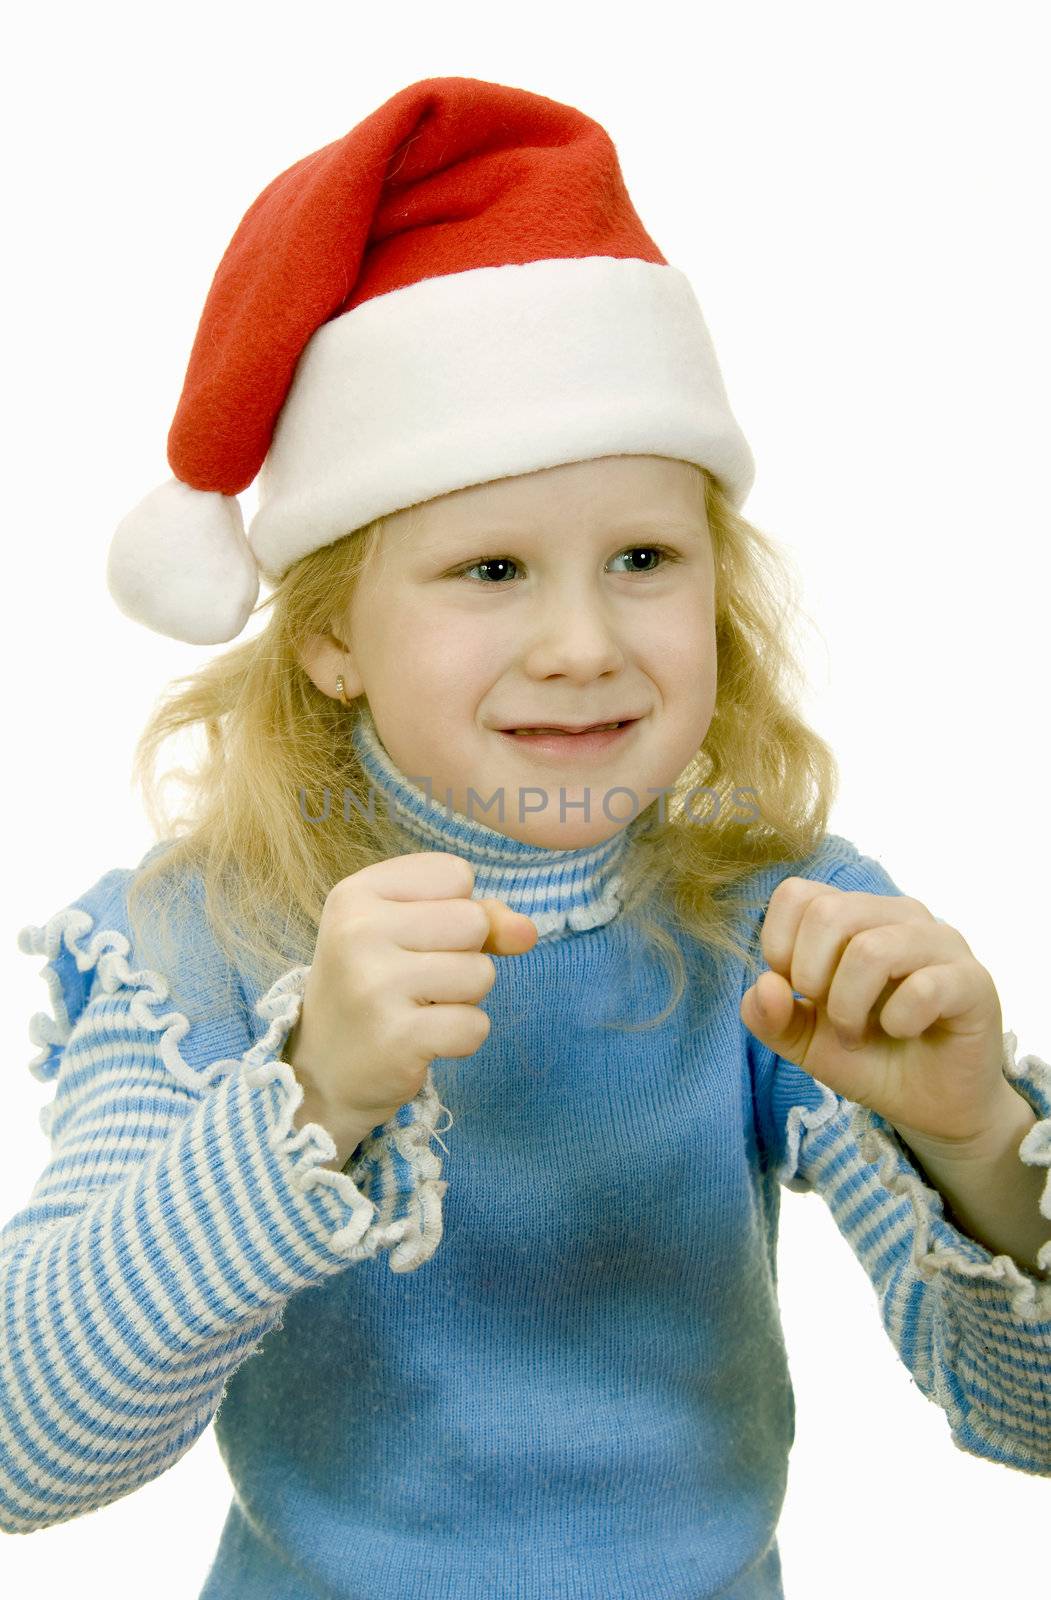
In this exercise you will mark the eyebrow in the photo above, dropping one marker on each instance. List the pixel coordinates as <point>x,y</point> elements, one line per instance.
<point>665,524</point>
<point>651,523</point>
<point>659,521</point>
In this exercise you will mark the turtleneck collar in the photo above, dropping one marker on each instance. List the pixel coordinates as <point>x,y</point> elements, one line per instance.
<point>563,891</point>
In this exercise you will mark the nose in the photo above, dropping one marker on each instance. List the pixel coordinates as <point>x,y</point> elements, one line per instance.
<point>575,635</point>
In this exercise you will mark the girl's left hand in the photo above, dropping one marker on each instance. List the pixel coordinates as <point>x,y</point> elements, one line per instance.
<point>900,1016</point>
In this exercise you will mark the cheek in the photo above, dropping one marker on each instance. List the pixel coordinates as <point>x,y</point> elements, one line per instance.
<point>684,643</point>
<point>440,656</point>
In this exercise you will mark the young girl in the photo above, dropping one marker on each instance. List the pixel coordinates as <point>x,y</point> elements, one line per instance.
<point>624,980</point>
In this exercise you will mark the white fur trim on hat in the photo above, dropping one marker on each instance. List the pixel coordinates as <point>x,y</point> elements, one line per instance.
<point>470,376</point>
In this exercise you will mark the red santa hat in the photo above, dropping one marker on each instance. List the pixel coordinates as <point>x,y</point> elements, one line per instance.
<point>457,290</point>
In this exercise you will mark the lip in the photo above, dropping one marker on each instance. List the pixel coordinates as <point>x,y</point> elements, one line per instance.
<point>566,727</point>
<point>570,746</point>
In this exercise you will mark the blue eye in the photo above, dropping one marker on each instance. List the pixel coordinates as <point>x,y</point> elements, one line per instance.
<point>659,550</point>
<point>492,561</point>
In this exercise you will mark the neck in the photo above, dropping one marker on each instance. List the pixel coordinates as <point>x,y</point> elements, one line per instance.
<point>563,891</point>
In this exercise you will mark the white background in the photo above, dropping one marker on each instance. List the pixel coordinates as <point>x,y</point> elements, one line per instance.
<point>859,196</point>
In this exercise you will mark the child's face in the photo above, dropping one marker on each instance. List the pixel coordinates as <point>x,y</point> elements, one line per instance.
<point>577,630</point>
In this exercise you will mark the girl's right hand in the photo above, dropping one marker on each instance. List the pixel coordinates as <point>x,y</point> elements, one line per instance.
<point>398,970</point>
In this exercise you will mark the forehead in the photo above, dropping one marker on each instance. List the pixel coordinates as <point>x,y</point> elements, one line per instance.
<point>599,493</point>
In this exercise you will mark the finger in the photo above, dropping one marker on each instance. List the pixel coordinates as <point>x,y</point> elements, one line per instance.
<point>511,933</point>
<point>457,924</point>
<point>769,1002</point>
<point>949,992</point>
<point>784,1023</point>
<point>417,875</point>
<point>454,1030</point>
<point>448,977</point>
<point>871,967</point>
<point>807,926</point>
<point>783,917</point>
<point>796,1030</point>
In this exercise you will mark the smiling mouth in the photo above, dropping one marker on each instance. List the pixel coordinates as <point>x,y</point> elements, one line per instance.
<point>594,727</point>
<point>563,733</point>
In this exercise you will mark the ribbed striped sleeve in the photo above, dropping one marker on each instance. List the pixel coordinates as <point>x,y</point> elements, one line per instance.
<point>179,1211</point>
<point>973,1329</point>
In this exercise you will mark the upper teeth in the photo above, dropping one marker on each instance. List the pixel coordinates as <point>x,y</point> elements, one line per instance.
<point>596,729</point>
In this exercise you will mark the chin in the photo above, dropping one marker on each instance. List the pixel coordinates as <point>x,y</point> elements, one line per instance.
<point>570,835</point>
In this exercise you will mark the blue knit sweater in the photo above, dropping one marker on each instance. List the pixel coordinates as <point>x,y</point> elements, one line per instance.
<point>527,1344</point>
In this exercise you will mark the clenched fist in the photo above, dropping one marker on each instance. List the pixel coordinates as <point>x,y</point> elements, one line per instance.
<point>402,958</point>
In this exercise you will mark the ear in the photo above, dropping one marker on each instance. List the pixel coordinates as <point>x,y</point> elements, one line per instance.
<point>323,658</point>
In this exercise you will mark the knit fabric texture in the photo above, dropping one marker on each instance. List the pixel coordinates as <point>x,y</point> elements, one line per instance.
<point>528,1344</point>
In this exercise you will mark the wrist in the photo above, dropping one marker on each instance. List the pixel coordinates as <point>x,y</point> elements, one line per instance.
<point>346,1133</point>
<point>1007,1128</point>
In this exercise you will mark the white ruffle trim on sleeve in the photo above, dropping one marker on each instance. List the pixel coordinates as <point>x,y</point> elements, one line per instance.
<point>937,1245</point>
<point>394,1190</point>
<point>394,1186</point>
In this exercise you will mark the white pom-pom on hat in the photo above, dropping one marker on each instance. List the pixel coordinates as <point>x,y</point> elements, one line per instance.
<point>180,564</point>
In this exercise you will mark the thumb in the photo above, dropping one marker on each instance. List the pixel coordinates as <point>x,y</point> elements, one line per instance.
<point>511,933</point>
<point>770,1010</point>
